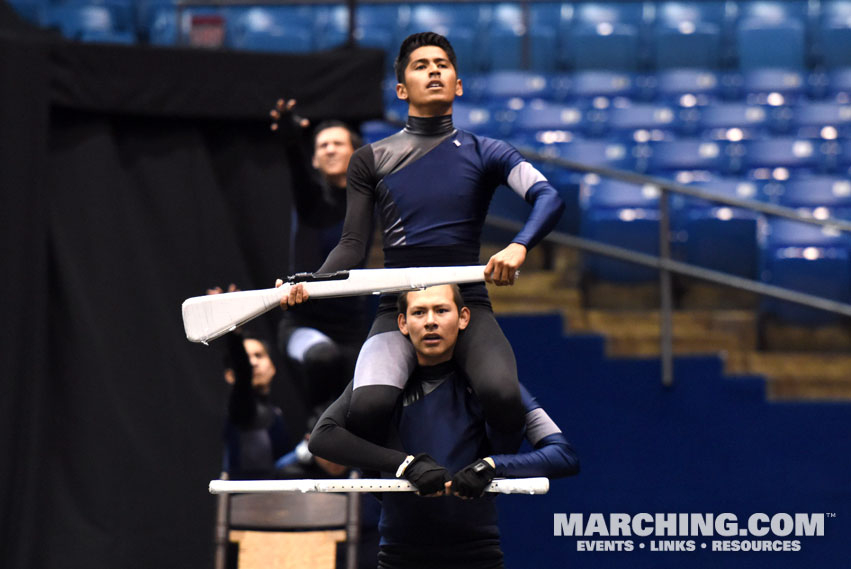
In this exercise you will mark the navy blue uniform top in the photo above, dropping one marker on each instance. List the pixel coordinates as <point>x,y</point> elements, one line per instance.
<point>431,185</point>
<point>438,414</point>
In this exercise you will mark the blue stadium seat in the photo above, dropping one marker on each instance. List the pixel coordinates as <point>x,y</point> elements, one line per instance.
<point>501,85</point>
<point>274,29</point>
<point>541,115</point>
<point>839,85</point>
<point>772,34</point>
<point>122,11</point>
<point>381,26</point>
<point>587,85</point>
<point>394,108</point>
<point>688,87</point>
<point>775,87</point>
<point>507,37</point>
<point>793,156</point>
<point>833,38</point>
<point>76,21</point>
<point>689,35</point>
<point>479,119</point>
<point>596,91</point>
<point>654,120</point>
<point>376,130</point>
<point>148,11</point>
<point>461,23</point>
<point>844,158</point>
<point>734,121</point>
<point>670,156</point>
<point>331,26</point>
<point>504,39</point>
<point>610,153</point>
<point>822,119</point>
<point>807,258</point>
<point>606,35</point>
<point>714,235</point>
<point>160,23</point>
<point>827,196</point>
<point>548,22</point>
<point>625,215</point>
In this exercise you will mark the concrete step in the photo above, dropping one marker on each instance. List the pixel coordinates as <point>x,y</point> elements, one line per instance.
<point>536,292</point>
<point>813,364</point>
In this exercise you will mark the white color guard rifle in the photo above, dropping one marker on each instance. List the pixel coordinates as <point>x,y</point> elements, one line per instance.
<point>500,485</point>
<point>207,317</point>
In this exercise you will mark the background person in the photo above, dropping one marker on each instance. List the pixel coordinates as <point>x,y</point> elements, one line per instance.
<point>321,345</point>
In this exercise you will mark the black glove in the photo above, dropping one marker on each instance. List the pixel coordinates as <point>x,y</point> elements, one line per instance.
<point>286,122</point>
<point>471,481</point>
<point>426,474</point>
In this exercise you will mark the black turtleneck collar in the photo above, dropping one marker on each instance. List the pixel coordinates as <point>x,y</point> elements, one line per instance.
<point>428,373</point>
<point>430,126</point>
<point>426,379</point>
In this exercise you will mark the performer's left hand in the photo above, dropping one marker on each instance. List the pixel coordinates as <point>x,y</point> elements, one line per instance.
<point>285,121</point>
<point>502,267</point>
<point>471,481</point>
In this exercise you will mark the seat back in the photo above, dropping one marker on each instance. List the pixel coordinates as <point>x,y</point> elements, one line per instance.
<point>288,511</point>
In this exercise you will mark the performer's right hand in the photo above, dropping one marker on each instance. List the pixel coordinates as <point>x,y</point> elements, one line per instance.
<point>297,295</point>
<point>427,475</point>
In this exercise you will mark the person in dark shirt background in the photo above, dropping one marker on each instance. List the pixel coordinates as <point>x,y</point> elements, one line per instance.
<point>255,433</point>
<point>320,339</point>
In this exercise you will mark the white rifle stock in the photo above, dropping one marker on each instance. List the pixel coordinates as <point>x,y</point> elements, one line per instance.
<point>207,317</point>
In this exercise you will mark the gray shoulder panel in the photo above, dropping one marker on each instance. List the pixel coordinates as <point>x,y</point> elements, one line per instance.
<point>400,149</point>
<point>539,425</point>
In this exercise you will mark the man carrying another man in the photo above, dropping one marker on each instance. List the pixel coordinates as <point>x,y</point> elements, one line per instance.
<point>439,421</point>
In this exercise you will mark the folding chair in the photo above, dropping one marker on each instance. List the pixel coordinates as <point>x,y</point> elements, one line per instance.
<point>289,512</point>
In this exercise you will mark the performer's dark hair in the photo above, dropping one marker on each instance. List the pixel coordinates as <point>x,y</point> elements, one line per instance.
<point>402,299</point>
<point>357,140</point>
<point>416,41</point>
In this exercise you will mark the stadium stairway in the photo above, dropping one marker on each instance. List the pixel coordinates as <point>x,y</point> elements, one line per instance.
<point>798,363</point>
<point>713,443</point>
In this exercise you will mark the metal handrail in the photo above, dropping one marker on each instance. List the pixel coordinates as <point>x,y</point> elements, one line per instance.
<point>665,265</point>
<point>668,185</point>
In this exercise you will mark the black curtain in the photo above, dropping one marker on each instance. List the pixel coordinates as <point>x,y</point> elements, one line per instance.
<point>131,179</point>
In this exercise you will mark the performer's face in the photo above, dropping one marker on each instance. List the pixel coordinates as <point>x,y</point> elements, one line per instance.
<point>332,151</point>
<point>431,83</point>
<point>262,368</point>
<point>433,322</point>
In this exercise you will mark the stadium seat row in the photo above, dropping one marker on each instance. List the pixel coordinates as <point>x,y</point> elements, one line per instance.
<point>626,35</point>
<point>542,122</point>
<point>684,87</point>
<point>801,256</point>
